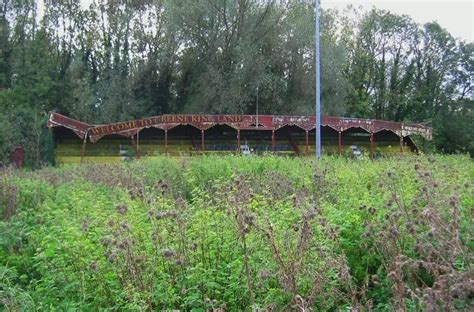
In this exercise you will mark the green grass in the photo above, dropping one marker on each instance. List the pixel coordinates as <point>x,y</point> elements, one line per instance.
<point>232,233</point>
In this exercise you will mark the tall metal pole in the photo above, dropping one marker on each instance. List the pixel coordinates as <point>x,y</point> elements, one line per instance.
<point>257,107</point>
<point>318,82</point>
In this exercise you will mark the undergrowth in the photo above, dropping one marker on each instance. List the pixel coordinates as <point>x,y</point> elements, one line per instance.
<point>237,233</point>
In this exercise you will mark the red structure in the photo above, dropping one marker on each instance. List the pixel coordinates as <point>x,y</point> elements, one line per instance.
<point>17,157</point>
<point>199,127</point>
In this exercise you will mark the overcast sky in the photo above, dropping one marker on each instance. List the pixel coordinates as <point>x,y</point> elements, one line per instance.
<point>457,16</point>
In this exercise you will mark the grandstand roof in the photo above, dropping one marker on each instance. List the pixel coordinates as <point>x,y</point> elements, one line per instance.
<point>238,122</point>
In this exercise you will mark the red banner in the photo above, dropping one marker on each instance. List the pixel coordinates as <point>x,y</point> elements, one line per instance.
<point>242,122</point>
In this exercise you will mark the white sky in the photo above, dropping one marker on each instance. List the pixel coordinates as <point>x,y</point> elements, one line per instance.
<point>457,16</point>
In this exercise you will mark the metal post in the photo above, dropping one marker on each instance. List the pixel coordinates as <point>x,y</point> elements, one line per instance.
<point>307,143</point>
<point>138,144</point>
<point>401,144</point>
<point>318,82</point>
<point>135,145</point>
<point>83,149</point>
<point>273,140</point>
<point>166,141</point>
<point>202,140</point>
<point>238,140</point>
<point>340,143</point>
<point>371,144</point>
<point>257,108</point>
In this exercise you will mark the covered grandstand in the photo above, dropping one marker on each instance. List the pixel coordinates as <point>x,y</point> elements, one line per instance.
<point>189,135</point>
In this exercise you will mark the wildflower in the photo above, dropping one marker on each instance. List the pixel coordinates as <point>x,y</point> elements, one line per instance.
<point>160,215</point>
<point>106,241</point>
<point>125,226</point>
<point>394,232</point>
<point>249,219</point>
<point>311,213</point>
<point>151,214</point>
<point>322,222</point>
<point>112,256</point>
<point>392,275</point>
<point>264,274</point>
<point>179,262</point>
<point>453,201</point>
<point>93,266</point>
<point>123,244</point>
<point>140,259</point>
<point>85,224</point>
<point>429,297</point>
<point>172,214</point>
<point>168,253</point>
<point>163,186</point>
<point>181,202</point>
<point>431,233</point>
<point>411,228</point>
<point>375,279</point>
<point>121,209</point>
<point>372,210</point>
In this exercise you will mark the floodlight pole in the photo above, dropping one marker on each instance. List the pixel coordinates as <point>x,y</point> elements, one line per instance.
<point>257,108</point>
<point>318,77</point>
<point>318,81</point>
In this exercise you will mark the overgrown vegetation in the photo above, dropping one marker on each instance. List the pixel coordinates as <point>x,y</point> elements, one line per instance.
<point>237,233</point>
<point>119,60</point>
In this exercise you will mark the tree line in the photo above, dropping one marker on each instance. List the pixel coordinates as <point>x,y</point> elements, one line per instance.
<point>122,59</point>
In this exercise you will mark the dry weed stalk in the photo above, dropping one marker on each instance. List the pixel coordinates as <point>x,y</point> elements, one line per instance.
<point>421,247</point>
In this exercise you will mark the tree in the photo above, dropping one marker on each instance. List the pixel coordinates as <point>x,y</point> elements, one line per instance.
<point>124,59</point>
<point>381,65</point>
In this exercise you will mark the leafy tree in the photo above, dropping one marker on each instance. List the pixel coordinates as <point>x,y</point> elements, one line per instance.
<point>118,60</point>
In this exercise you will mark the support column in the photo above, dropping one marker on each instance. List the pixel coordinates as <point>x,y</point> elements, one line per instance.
<point>307,143</point>
<point>371,144</point>
<point>135,146</point>
<point>83,149</point>
<point>401,144</point>
<point>138,144</point>
<point>166,141</point>
<point>340,142</point>
<point>273,140</point>
<point>238,140</point>
<point>202,140</point>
